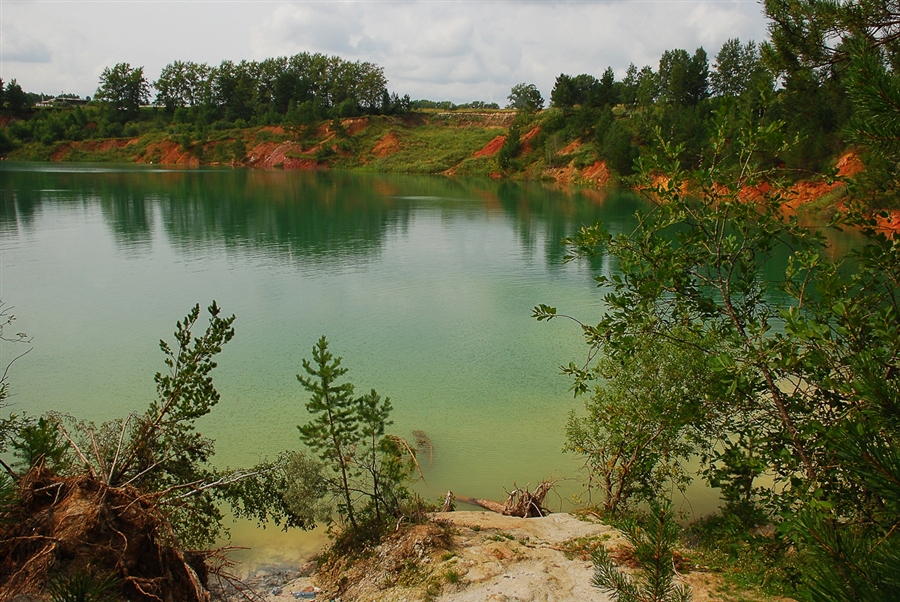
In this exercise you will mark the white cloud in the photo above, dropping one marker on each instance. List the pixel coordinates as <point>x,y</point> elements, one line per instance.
<point>455,50</point>
<point>19,47</point>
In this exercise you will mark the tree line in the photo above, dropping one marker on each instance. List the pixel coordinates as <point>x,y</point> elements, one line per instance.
<point>618,118</point>
<point>300,89</point>
<point>304,85</point>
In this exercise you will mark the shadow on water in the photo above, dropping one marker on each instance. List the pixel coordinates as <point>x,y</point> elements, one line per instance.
<point>307,214</point>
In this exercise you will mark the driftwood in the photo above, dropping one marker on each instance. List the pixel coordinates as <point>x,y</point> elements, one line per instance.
<point>423,444</point>
<point>520,502</point>
<point>448,502</point>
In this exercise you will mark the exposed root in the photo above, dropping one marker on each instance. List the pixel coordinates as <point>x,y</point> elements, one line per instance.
<point>62,527</point>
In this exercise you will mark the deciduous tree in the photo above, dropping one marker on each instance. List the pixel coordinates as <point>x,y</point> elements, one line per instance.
<point>123,89</point>
<point>525,97</point>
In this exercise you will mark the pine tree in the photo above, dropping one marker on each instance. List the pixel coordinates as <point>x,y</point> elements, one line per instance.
<point>335,424</point>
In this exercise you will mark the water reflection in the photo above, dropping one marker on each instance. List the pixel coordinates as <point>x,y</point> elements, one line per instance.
<point>295,214</point>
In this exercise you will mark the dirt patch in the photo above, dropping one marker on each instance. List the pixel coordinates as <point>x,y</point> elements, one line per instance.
<point>355,125</point>
<point>167,152</point>
<point>492,119</point>
<point>596,173</point>
<point>571,147</point>
<point>849,165</point>
<point>491,148</point>
<point>508,558</point>
<point>561,175</point>
<point>889,222</point>
<point>287,155</point>
<point>525,141</point>
<point>400,568</point>
<point>61,152</point>
<point>476,557</point>
<point>473,557</point>
<point>388,144</point>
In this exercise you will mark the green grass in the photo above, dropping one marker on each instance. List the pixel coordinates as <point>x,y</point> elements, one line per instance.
<point>430,149</point>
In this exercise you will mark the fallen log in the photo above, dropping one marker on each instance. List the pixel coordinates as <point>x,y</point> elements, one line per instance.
<point>520,502</point>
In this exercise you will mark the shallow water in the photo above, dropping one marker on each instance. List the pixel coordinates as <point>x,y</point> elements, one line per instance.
<point>423,284</point>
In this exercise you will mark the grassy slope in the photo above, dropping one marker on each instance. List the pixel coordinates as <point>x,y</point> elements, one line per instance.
<point>424,144</point>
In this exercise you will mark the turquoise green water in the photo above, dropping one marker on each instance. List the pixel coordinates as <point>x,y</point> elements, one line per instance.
<point>424,284</point>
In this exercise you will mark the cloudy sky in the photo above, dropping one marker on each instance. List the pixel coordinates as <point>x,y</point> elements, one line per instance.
<point>458,50</point>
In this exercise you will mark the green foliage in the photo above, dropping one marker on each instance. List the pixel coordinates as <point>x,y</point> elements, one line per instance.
<point>15,99</point>
<point>874,90</point>
<point>364,469</point>
<point>683,79</point>
<point>804,360</point>
<point>84,586</point>
<point>654,538</point>
<point>849,562</point>
<point>585,90</point>
<point>526,98</point>
<point>238,150</point>
<point>289,491</point>
<point>510,147</point>
<point>39,442</point>
<point>334,426</point>
<point>123,89</point>
<point>762,560</point>
<point>679,277</point>
<point>618,147</point>
<point>738,70</point>
<point>647,416</point>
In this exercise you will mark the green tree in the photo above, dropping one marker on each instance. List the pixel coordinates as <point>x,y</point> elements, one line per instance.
<point>564,95</point>
<point>873,88</point>
<point>618,147</point>
<point>526,98</point>
<point>182,84</point>
<point>738,69</point>
<point>39,442</point>
<point>608,92</point>
<point>510,147</point>
<point>806,352</point>
<point>334,427</point>
<point>123,89</point>
<point>16,99</point>
<point>684,79</point>
<point>813,33</point>
<point>654,538</point>
<point>363,468</point>
<point>648,415</point>
<point>853,45</point>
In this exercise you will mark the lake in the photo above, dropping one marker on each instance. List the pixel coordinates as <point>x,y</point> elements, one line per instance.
<point>424,285</point>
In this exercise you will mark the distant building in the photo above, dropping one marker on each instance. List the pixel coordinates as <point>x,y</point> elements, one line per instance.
<point>61,101</point>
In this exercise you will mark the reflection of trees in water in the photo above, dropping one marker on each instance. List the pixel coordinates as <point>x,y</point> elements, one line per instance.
<point>309,214</point>
<point>21,194</point>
